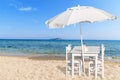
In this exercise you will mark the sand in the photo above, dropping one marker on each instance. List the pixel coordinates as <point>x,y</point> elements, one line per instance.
<point>46,68</point>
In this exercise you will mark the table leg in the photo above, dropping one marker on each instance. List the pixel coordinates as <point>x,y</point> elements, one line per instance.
<point>83,65</point>
<point>72,66</point>
<point>96,58</point>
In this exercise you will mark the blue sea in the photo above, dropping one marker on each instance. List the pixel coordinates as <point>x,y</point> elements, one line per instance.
<point>53,47</point>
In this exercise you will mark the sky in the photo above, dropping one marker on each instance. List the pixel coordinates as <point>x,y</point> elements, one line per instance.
<point>25,19</point>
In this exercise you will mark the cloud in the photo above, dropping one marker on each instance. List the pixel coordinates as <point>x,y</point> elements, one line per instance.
<point>25,9</point>
<point>13,5</point>
<point>21,7</point>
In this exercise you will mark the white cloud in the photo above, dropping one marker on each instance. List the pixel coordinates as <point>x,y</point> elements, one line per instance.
<point>13,5</point>
<point>25,9</point>
<point>21,7</point>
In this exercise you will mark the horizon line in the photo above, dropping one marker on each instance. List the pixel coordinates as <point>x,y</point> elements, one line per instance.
<point>49,39</point>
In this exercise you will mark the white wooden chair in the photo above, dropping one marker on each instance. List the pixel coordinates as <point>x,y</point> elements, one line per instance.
<point>100,63</point>
<point>77,62</point>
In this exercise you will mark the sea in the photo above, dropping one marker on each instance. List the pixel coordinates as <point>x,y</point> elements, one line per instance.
<point>21,47</point>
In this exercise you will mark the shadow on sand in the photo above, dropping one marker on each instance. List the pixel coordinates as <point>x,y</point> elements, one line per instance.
<point>62,69</point>
<point>47,58</point>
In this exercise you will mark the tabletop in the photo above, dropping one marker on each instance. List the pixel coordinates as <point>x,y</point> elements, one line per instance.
<point>89,49</point>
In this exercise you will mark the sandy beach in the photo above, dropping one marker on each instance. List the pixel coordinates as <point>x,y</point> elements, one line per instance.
<point>46,68</point>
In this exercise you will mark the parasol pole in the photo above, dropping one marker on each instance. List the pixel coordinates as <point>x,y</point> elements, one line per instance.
<point>82,50</point>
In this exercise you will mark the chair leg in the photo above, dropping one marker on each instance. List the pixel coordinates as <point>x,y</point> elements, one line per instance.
<point>66,69</point>
<point>89,70</point>
<point>80,69</point>
<point>102,72</point>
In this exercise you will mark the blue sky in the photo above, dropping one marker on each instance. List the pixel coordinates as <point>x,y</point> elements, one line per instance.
<point>25,19</point>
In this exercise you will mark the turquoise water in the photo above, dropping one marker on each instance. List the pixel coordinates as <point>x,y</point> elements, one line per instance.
<point>28,47</point>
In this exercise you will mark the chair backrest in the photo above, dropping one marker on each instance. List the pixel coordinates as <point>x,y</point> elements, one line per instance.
<point>68,55</point>
<point>68,49</point>
<point>102,51</point>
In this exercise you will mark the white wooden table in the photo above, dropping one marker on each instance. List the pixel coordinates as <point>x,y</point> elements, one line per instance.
<point>92,51</point>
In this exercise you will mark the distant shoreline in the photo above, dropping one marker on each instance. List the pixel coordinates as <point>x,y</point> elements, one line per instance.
<point>64,39</point>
